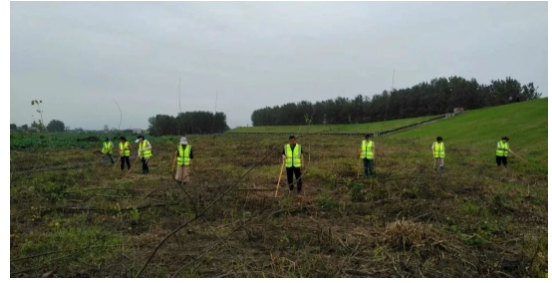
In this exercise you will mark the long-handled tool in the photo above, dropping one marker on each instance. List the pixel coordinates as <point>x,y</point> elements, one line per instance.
<point>173,164</point>
<point>518,156</point>
<point>358,168</point>
<point>279,178</point>
<point>133,165</point>
<point>116,162</point>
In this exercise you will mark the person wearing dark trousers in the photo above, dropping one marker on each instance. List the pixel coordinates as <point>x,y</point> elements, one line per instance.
<point>502,149</point>
<point>124,152</point>
<point>144,153</point>
<point>293,158</point>
<point>367,154</point>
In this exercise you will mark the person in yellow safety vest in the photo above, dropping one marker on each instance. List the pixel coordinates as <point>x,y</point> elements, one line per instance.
<point>107,150</point>
<point>144,153</point>
<point>293,158</point>
<point>124,152</point>
<point>502,149</point>
<point>438,149</point>
<point>367,154</point>
<point>184,156</point>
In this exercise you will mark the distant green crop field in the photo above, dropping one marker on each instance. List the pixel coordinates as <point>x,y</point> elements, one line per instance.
<point>34,141</point>
<point>347,128</point>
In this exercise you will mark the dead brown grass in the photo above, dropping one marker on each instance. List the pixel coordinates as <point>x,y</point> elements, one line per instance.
<point>408,222</point>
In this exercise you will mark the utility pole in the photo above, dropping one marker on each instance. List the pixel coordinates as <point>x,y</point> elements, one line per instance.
<point>388,98</point>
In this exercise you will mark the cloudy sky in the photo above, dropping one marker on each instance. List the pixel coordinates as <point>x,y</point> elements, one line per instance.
<point>80,56</point>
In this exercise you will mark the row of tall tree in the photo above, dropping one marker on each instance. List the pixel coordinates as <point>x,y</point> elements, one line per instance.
<point>439,96</point>
<point>197,122</point>
<point>53,126</point>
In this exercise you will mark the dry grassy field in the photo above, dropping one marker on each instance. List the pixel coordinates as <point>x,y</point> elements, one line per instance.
<point>72,216</point>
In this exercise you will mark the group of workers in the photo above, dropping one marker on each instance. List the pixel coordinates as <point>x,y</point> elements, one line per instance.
<point>183,155</point>
<point>292,157</point>
<point>367,154</point>
<point>502,150</point>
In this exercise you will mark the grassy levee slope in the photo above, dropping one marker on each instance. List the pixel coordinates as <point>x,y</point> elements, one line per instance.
<point>343,128</point>
<point>473,135</point>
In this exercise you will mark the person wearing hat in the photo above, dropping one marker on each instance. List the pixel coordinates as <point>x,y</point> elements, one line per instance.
<point>502,149</point>
<point>124,152</point>
<point>293,158</point>
<point>438,149</point>
<point>144,153</point>
<point>367,154</point>
<point>107,150</point>
<point>184,156</point>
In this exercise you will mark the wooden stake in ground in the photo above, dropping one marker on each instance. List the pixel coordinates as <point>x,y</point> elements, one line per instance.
<point>279,178</point>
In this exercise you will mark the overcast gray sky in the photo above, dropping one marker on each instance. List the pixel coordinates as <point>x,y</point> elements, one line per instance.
<point>78,56</point>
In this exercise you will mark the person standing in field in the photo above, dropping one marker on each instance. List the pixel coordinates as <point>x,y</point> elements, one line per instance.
<point>184,156</point>
<point>144,153</point>
<point>107,150</point>
<point>293,158</point>
<point>124,152</point>
<point>438,149</point>
<point>502,149</point>
<point>367,154</point>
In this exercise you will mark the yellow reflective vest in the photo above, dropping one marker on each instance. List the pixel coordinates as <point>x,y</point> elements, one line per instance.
<point>503,149</point>
<point>367,151</point>
<point>293,157</point>
<point>145,153</point>
<point>107,147</point>
<point>438,150</point>
<point>123,147</point>
<point>183,158</point>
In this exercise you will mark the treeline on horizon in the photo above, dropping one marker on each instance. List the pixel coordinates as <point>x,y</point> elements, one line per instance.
<point>196,122</point>
<point>439,96</point>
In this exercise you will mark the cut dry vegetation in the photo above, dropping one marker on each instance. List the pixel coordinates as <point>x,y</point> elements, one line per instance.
<point>470,221</point>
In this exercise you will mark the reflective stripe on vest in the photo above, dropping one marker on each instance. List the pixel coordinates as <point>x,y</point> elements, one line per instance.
<point>366,150</point>
<point>145,153</point>
<point>504,151</point>
<point>438,150</point>
<point>293,158</point>
<point>123,146</point>
<point>107,147</point>
<point>184,155</point>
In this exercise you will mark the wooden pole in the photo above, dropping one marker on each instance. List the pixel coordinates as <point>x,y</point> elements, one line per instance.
<point>358,168</point>
<point>173,164</point>
<point>519,157</point>
<point>279,178</point>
